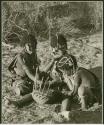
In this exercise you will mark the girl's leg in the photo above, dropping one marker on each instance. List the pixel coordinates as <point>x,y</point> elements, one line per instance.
<point>65,108</point>
<point>22,87</point>
<point>86,97</point>
<point>27,99</point>
<point>66,104</point>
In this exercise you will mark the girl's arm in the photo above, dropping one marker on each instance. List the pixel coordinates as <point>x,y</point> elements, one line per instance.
<point>26,68</point>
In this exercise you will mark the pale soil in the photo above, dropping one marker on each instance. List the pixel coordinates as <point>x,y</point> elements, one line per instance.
<point>87,56</point>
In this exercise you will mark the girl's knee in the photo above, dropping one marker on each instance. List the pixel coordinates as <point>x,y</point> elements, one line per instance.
<point>66,105</point>
<point>19,90</point>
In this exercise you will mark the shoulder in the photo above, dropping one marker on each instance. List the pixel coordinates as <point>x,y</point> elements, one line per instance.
<point>21,58</point>
<point>80,71</point>
<point>83,73</point>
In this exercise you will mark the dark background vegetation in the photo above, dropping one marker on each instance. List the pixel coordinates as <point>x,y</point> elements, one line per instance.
<point>80,22</point>
<point>69,18</point>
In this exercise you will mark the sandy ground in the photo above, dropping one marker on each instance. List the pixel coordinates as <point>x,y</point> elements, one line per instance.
<point>87,55</point>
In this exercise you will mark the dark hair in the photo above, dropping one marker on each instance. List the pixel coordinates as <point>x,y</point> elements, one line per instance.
<point>58,40</point>
<point>53,41</point>
<point>62,41</point>
<point>30,39</point>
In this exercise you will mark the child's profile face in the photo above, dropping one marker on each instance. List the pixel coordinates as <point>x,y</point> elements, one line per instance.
<point>29,48</point>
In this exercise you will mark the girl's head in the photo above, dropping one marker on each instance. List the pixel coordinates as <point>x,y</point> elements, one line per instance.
<point>62,42</point>
<point>58,43</point>
<point>30,44</point>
